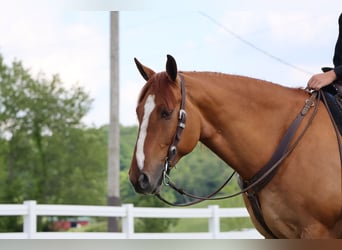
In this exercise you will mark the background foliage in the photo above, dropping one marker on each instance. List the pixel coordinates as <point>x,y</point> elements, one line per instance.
<point>48,155</point>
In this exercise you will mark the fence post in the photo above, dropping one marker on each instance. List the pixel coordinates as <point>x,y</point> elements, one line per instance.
<point>30,219</point>
<point>128,221</point>
<point>214,221</point>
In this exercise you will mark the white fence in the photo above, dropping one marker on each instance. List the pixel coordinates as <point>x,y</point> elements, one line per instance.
<point>30,210</point>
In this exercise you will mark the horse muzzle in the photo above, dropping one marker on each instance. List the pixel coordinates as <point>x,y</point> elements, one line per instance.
<point>144,184</point>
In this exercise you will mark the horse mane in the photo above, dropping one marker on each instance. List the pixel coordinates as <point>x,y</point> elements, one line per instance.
<point>161,84</point>
<point>248,78</point>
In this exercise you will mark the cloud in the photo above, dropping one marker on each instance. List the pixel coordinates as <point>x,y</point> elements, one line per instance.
<point>291,28</point>
<point>129,93</point>
<point>302,28</point>
<point>73,44</point>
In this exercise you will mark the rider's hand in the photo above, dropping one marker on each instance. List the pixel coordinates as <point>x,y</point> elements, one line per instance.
<point>320,80</point>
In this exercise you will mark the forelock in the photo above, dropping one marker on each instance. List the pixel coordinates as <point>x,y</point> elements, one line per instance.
<point>161,87</point>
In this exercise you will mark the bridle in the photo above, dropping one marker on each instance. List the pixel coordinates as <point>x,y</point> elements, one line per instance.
<point>172,151</point>
<point>261,178</point>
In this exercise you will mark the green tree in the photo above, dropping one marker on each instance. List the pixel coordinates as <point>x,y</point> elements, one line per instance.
<point>77,167</point>
<point>45,149</point>
<point>32,109</point>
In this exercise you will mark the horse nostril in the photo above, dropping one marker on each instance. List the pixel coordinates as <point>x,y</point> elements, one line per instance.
<point>143,181</point>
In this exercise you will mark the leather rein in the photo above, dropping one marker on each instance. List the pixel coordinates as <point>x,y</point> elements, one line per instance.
<point>256,183</point>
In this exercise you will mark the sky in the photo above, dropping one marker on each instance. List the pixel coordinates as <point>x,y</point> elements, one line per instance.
<point>284,42</point>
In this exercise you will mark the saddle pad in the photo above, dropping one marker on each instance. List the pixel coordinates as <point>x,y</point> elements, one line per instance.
<point>334,104</point>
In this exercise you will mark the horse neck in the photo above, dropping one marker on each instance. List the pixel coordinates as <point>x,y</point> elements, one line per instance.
<point>242,119</point>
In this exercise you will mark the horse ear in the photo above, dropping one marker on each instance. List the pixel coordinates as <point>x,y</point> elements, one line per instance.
<point>171,68</point>
<point>146,72</point>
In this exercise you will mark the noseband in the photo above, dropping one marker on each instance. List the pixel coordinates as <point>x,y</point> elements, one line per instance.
<point>172,152</point>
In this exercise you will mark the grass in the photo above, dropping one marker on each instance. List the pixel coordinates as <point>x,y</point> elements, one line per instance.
<point>226,224</point>
<point>182,226</point>
<point>202,225</point>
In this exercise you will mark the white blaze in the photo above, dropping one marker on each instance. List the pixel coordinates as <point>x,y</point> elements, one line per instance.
<point>148,108</point>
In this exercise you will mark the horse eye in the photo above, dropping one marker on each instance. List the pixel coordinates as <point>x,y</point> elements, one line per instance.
<point>166,114</point>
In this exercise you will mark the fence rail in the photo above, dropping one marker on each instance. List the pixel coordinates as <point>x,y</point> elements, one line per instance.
<point>30,210</point>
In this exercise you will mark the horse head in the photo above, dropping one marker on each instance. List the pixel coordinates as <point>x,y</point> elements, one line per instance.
<point>161,121</point>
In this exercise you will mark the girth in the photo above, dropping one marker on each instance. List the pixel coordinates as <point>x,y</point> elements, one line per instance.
<point>270,169</point>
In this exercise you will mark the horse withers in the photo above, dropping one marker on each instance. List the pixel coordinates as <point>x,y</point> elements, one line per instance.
<point>242,120</point>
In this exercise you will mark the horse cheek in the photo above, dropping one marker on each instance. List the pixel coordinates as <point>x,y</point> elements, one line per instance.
<point>189,138</point>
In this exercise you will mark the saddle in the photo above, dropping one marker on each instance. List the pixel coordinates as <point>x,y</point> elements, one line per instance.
<point>333,96</point>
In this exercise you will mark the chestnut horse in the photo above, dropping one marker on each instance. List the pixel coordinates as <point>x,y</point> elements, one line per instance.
<point>242,120</point>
